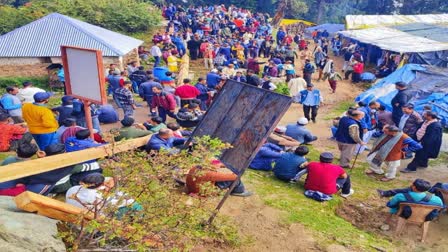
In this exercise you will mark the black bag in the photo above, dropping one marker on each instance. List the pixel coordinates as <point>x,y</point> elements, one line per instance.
<point>407,211</point>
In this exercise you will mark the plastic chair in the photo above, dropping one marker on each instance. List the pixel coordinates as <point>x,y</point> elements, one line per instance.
<point>444,194</point>
<point>418,216</point>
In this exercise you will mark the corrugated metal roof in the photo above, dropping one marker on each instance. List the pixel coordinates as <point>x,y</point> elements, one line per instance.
<point>43,38</point>
<point>437,32</point>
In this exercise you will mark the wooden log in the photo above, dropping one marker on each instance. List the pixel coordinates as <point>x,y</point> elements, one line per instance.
<point>184,69</point>
<point>45,206</point>
<point>40,165</point>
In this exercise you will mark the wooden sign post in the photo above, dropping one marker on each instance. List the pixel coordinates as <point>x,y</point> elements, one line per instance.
<point>84,78</point>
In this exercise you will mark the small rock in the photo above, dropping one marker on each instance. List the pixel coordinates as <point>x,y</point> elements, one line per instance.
<point>385,227</point>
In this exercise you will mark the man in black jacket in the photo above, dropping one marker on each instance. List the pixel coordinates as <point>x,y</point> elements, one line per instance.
<point>430,137</point>
<point>252,78</point>
<point>400,99</point>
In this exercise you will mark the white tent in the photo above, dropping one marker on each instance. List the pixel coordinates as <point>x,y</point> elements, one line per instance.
<point>353,22</point>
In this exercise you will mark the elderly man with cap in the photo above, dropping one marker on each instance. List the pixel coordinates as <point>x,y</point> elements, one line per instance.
<point>429,135</point>
<point>348,135</point>
<point>65,110</point>
<point>299,132</point>
<point>26,94</point>
<point>311,100</point>
<point>41,120</point>
<point>403,96</point>
<point>279,138</point>
<point>327,178</point>
<point>389,149</point>
<point>187,93</point>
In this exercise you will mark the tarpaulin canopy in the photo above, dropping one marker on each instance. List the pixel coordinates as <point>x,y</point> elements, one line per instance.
<point>294,21</point>
<point>428,83</point>
<point>388,38</point>
<point>370,21</point>
<point>331,28</point>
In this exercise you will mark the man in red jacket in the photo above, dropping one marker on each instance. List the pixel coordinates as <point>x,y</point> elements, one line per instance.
<point>327,178</point>
<point>186,92</point>
<point>164,102</point>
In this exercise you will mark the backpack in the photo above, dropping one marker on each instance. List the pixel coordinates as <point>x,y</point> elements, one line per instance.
<point>407,211</point>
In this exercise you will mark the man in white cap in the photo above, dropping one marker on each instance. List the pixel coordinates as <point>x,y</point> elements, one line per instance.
<point>299,132</point>
<point>279,138</point>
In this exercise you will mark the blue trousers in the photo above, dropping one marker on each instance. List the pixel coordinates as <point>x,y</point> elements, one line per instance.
<point>43,140</point>
<point>35,188</point>
<point>157,61</point>
<point>239,188</point>
<point>344,184</point>
<point>164,112</point>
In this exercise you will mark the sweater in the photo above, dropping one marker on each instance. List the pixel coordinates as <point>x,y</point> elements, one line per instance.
<point>39,118</point>
<point>196,178</point>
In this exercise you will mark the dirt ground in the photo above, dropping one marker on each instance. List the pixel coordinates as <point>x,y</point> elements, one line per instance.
<point>261,224</point>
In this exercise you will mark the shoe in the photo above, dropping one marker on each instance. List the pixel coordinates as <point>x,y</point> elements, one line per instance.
<point>407,171</point>
<point>348,194</point>
<point>314,120</point>
<point>380,193</point>
<point>243,194</point>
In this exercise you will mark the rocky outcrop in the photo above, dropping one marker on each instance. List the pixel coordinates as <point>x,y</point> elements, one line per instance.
<point>21,231</point>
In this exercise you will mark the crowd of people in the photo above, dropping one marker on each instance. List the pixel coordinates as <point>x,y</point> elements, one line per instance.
<point>234,44</point>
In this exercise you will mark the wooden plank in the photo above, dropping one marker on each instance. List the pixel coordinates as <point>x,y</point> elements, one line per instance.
<point>243,106</point>
<point>184,69</point>
<point>254,132</point>
<point>40,165</point>
<point>33,202</point>
<point>218,111</point>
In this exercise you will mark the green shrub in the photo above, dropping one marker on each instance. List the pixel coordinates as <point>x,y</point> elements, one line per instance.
<point>41,82</point>
<point>282,88</point>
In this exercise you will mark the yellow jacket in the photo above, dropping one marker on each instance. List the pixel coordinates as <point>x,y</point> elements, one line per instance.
<point>172,63</point>
<point>40,119</point>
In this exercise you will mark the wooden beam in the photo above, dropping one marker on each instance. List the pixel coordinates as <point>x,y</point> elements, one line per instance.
<point>184,69</point>
<point>40,165</point>
<point>45,206</point>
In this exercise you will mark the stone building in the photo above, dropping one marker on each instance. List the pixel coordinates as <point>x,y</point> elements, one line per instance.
<point>28,50</point>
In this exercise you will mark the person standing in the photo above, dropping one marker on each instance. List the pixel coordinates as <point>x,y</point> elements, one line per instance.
<point>156,53</point>
<point>430,136</point>
<point>186,92</point>
<point>28,91</point>
<point>348,135</point>
<point>308,71</point>
<point>115,82</point>
<point>12,104</point>
<point>164,102</point>
<point>145,90</point>
<point>389,149</point>
<point>296,85</point>
<point>401,98</point>
<point>124,96</point>
<point>252,78</point>
<point>410,120</point>
<point>311,100</point>
<point>41,122</point>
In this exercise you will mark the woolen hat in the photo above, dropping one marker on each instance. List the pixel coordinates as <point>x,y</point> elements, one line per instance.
<point>326,157</point>
<point>309,85</point>
<point>302,121</point>
<point>401,84</point>
<point>408,105</point>
<point>42,96</point>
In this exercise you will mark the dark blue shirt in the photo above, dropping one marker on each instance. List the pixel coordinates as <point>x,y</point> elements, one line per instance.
<point>288,165</point>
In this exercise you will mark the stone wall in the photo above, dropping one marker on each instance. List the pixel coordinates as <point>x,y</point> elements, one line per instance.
<point>27,67</point>
<point>131,56</point>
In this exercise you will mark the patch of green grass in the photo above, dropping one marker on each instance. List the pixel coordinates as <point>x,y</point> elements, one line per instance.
<point>339,109</point>
<point>442,159</point>
<point>321,217</point>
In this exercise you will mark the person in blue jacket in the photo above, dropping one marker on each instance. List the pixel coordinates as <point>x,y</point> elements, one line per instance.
<point>267,154</point>
<point>311,100</point>
<point>280,36</point>
<point>212,79</point>
<point>291,165</point>
<point>164,140</point>
<point>299,132</point>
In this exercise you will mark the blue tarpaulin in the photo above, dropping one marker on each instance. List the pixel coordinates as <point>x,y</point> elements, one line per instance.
<point>429,83</point>
<point>331,28</point>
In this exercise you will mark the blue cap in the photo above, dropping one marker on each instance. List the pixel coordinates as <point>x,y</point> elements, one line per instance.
<point>67,99</point>
<point>42,96</point>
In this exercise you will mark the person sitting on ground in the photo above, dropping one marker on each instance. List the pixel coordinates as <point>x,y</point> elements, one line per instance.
<point>107,114</point>
<point>279,138</point>
<point>154,124</point>
<point>65,110</point>
<point>418,194</point>
<point>40,183</point>
<point>190,116</point>
<point>299,132</point>
<point>12,135</point>
<point>327,178</point>
<point>130,132</point>
<point>264,158</point>
<point>164,140</point>
<point>177,132</point>
<point>197,177</point>
<point>81,141</point>
<point>290,164</point>
<point>89,195</point>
